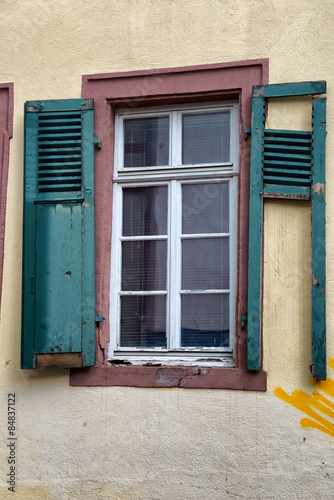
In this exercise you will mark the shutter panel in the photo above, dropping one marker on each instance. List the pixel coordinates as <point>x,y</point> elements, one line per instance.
<point>318,240</point>
<point>58,291</point>
<point>287,164</point>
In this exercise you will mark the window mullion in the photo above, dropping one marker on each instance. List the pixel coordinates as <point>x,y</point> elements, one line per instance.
<point>175,139</point>
<point>115,279</point>
<point>174,260</point>
<point>173,256</point>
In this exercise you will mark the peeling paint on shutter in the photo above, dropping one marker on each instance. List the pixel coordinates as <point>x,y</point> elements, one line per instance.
<point>287,164</point>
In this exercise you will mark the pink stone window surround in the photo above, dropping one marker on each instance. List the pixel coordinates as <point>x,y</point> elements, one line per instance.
<point>6,133</point>
<point>215,82</point>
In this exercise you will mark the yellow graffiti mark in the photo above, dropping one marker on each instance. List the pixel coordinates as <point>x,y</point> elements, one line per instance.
<point>307,422</point>
<point>313,405</point>
<point>323,399</point>
<point>326,386</point>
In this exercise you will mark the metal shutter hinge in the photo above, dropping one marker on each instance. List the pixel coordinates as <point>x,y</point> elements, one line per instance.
<point>248,132</point>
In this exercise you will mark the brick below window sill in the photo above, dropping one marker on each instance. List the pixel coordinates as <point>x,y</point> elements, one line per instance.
<point>170,376</point>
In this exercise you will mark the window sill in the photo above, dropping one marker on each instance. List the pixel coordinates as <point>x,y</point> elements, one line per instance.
<point>170,376</point>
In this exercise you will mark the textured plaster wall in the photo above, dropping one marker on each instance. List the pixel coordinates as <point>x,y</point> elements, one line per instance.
<point>126,443</point>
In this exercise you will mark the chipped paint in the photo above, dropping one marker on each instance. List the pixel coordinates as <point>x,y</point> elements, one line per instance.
<point>258,91</point>
<point>88,104</point>
<point>287,196</point>
<point>319,188</point>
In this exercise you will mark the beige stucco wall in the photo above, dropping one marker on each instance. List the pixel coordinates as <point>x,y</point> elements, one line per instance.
<point>128,443</point>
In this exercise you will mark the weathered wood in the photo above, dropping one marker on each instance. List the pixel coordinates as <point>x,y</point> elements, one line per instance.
<point>60,360</point>
<point>287,191</point>
<point>289,89</point>
<point>58,277</point>
<point>318,241</point>
<point>29,239</point>
<point>58,231</point>
<point>255,237</point>
<point>285,196</point>
<point>285,175</point>
<point>59,105</point>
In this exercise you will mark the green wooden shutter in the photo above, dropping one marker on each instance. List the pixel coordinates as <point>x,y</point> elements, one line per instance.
<point>287,164</point>
<point>58,290</point>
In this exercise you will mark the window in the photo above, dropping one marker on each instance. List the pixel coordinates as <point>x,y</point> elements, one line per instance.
<point>174,93</point>
<point>174,235</point>
<point>179,242</point>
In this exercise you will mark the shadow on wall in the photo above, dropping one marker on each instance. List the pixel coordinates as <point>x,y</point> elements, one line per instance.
<point>311,405</point>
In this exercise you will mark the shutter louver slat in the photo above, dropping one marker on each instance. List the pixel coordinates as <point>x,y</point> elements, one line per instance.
<point>67,154</point>
<point>287,158</point>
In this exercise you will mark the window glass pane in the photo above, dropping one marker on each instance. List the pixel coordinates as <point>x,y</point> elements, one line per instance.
<point>205,208</point>
<point>205,320</point>
<point>146,142</point>
<point>206,137</point>
<point>143,321</point>
<point>205,264</point>
<point>144,265</point>
<point>145,211</point>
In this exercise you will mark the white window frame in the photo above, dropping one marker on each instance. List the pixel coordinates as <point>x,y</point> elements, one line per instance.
<point>173,176</point>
